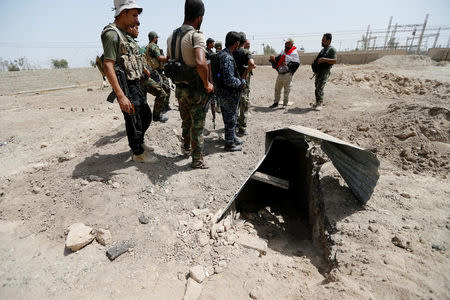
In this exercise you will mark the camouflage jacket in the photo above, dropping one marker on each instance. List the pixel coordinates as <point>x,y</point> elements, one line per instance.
<point>152,52</point>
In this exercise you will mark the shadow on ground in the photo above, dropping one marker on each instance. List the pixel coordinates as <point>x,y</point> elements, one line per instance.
<point>110,139</point>
<point>299,110</point>
<point>338,200</point>
<point>287,227</point>
<point>106,166</point>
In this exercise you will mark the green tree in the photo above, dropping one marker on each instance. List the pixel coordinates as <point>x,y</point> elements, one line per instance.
<point>22,62</point>
<point>364,42</point>
<point>60,63</point>
<point>268,50</point>
<point>13,67</point>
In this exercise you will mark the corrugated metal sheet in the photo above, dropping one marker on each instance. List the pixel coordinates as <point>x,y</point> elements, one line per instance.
<point>358,166</point>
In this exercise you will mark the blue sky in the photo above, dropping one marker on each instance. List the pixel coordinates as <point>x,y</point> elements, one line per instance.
<point>44,29</point>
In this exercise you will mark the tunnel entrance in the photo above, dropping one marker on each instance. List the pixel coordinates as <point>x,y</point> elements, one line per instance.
<point>282,195</point>
<point>282,187</point>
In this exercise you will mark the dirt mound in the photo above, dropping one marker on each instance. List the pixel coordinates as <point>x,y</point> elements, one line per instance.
<point>418,141</point>
<point>404,61</point>
<point>387,83</point>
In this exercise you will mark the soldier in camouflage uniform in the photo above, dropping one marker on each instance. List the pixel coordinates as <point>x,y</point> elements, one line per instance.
<point>326,58</point>
<point>218,46</point>
<point>158,84</point>
<point>229,89</point>
<point>192,96</point>
<point>245,63</point>
<point>123,66</point>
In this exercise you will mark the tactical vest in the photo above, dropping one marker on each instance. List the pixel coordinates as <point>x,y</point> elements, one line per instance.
<point>152,61</point>
<point>130,60</point>
<point>176,69</point>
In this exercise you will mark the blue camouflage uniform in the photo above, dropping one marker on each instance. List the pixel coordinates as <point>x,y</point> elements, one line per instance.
<point>229,93</point>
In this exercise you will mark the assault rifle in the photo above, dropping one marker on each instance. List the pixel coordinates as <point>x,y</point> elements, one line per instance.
<point>211,101</point>
<point>122,79</point>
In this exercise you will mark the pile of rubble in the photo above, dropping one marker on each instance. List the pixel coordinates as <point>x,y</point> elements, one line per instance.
<point>386,83</point>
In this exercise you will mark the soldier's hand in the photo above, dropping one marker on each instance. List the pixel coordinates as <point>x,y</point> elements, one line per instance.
<point>124,104</point>
<point>209,88</point>
<point>147,72</point>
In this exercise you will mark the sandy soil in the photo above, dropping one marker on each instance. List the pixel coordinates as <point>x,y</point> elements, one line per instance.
<point>66,160</point>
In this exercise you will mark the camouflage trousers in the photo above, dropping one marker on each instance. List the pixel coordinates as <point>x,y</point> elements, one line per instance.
<point>166,87</point>
<point>321,79</point>
<point>191,104</point>
<point>244,105</point>
<point>160,89</point>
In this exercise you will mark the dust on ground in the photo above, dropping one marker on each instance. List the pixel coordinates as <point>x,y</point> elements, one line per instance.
<point>66,161</point>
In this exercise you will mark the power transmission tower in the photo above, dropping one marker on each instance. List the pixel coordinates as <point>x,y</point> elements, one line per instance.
<point>387,33</point>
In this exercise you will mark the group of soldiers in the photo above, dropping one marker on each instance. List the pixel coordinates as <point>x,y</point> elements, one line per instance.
<point>132,74</point>
<point>203,78</point>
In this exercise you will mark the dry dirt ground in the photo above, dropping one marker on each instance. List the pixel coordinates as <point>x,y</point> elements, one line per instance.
<point>66,161</point>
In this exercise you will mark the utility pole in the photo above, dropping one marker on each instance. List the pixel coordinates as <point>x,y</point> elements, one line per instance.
<point>448,43</point>
<point>437,37</point>
<point>387,33</point>
<point>419,44</point>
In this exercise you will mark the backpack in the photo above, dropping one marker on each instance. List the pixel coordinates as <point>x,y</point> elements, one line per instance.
<point>99,60</point>
<point>215,70</point>
<point>176,69</point>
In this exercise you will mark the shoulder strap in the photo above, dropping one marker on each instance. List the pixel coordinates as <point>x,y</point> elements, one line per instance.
<point>174,42</point>
<point>114,27</point>
<point>181,33</point>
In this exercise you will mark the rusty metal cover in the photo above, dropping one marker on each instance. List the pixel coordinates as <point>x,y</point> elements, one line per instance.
<point>358,166</point>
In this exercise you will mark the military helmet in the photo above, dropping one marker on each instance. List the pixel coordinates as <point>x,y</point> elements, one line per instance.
<point>218,45</point>
<point>152,35</point>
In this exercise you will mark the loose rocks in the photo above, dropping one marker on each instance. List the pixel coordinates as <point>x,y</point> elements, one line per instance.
<point>143,219</point>
<point>252,242</point>
<point>438,247</point>
<point>79,236</point>
<point>118,250</point>
<point>401,243</point>
<point>193,290</point>
<point>197,273</point>
<point>202,239</point>
<point>103,236</point>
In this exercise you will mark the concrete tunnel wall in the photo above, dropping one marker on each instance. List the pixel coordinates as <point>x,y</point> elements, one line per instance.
<point>359,57</point>
<point>439,54</point>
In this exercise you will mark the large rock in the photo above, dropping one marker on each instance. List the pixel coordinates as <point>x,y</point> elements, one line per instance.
<point>79,236</point>
<point>118,250</point>
<point>193,290</point>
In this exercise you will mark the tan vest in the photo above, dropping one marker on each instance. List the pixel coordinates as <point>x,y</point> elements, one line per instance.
<point>130,59</point>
